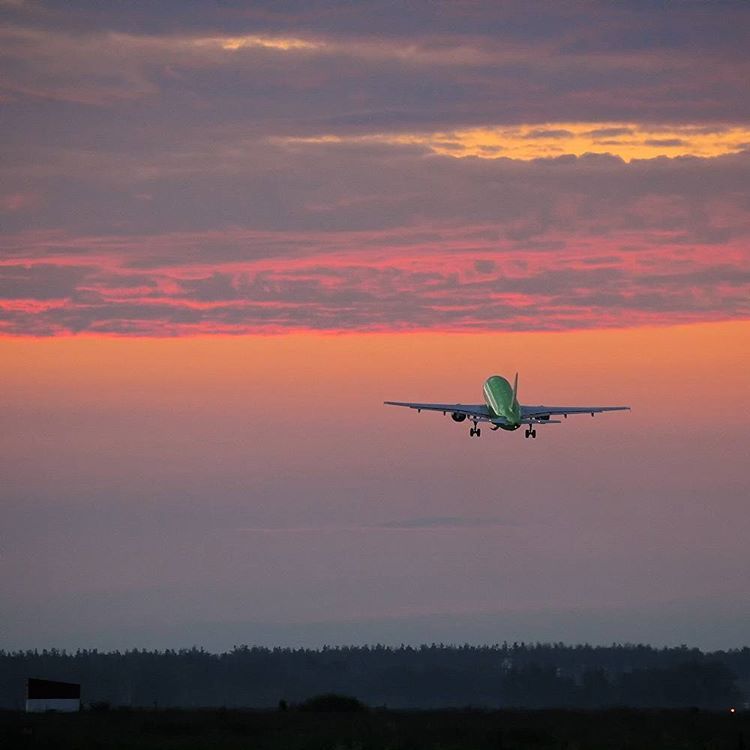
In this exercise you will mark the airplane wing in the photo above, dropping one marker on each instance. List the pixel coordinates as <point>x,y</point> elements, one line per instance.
<point>542,411</point>
<point>473,411</point>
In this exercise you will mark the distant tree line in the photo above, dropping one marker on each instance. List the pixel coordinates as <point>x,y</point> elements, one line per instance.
<point>434,676</point>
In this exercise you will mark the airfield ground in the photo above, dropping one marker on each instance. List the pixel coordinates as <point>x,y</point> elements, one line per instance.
<point>378,729</point>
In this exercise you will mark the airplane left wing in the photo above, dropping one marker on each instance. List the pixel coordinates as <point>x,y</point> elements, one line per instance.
<point>472,411</point>
<point>542,411</point>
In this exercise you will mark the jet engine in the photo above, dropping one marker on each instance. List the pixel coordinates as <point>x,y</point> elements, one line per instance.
<point>458,416</point>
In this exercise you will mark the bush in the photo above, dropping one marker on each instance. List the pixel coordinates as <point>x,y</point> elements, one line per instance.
<point>333,703</point>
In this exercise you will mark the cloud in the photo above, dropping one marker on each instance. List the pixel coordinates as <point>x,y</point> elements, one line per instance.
<point>406,288</point>
<point>427,523</point>
<point>345,69</point>
<point>445,522</point>
<point>386,238</point>
<point>610,132</point>
<point>39,282</point>
<point>484,266</point>
<point>173,171</point>
<point>20,201</point>
<point>527,142</point>
<point>539,133</point>
<point>664,142</point>
<point>332,187</point>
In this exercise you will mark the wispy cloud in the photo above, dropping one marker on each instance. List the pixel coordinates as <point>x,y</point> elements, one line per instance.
<point>492,285</point>
<point>446,522</point>
<point>427,523</point>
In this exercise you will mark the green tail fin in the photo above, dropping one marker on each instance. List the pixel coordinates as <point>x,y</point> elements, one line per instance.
<point>515,388</point>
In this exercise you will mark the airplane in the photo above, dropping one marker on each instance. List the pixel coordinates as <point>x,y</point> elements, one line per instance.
<point>502,410</point>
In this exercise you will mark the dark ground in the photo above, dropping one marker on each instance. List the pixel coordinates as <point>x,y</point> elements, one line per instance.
<point>375,730</point>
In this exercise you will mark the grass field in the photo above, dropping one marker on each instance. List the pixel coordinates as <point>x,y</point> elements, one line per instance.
<point>375,730</point>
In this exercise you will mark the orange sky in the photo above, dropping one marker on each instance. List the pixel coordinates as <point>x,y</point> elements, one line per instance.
<point>240,470</point>
<point>645,361</point>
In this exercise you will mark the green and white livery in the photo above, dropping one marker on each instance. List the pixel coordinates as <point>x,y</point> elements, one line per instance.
<point>502,410</point>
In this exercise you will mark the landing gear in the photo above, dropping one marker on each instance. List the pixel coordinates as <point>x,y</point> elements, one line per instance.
<point>475,431</point>
<point>530,433</point>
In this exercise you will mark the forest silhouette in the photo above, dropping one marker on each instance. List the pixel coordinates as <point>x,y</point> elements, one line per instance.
<point>426,677</point>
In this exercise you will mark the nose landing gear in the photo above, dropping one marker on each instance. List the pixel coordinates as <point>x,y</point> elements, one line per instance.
<point>475,431</point>
<point>530,433</point>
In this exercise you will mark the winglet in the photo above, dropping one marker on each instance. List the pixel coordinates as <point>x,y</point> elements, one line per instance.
<point>515,388</point>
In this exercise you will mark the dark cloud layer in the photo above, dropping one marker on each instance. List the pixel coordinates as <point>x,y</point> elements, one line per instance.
<point>365,67</point>
<point>456,244</point>
<point>197,168</point>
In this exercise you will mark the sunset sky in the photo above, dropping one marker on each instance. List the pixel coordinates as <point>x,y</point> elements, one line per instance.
<point>231,230</point>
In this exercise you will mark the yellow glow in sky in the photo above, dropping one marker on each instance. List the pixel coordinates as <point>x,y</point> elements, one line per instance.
<point>533,141</point>
<point>240,42</point>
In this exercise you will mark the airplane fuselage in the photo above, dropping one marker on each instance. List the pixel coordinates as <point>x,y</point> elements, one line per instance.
<point>502,402</point>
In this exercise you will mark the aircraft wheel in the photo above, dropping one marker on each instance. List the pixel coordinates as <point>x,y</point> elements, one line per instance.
<point>526,433</point>
<point>533,434</point>
<point>479,431</point>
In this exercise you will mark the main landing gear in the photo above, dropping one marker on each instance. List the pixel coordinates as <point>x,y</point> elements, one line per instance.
<point>530,433</point>
<point>475,431</point>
